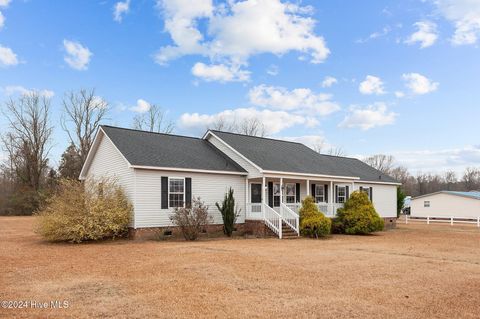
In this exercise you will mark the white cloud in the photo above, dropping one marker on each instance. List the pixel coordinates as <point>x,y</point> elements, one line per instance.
<point>419,84</point>
<point>5,3</point>
<point>300,100</point>
<point>141,107</point>
<point>220,72</point>
<point>273,121</point>
<point>2,20</point>
<point>7,57</point>
<point>426,34</point>
<point>399,94</point>
<point>328,81</point>
<point>119,9</point>
<point>465,15</point>
<point>238,30</point>
<point>369,117</point>
<point>77,56</point>
<point>18,89</point>
<point>371,85</point>
<point>273,70</point>
<point>456,159</point>
<point>375,35</point>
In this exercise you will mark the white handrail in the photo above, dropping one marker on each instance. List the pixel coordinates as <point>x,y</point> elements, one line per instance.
<point>290,218</point>
<point>273,220</point>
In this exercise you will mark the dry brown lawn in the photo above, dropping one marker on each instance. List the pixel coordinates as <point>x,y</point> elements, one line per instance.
<point>415,271</point>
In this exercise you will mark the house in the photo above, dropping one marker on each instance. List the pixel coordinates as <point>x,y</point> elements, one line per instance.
<point>269,177</point>
<point>447,204</point>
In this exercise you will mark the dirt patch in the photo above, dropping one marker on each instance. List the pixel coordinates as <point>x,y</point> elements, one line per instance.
<point>415,271</point>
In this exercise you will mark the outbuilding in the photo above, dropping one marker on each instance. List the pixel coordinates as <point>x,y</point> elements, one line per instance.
<point>447,204</point>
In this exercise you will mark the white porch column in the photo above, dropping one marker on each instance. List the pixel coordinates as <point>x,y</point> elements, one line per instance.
<point>308,187</point>
<point>353,188</point>
<point>281,191</point>
<point>263,196</point>
<point>247,208</point>
<point>331,195</point>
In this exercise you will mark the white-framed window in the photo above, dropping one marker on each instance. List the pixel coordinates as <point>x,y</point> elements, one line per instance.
<point>276,195</point>
<point>342,194</point>
<point>426,203</point>
<point>319,193</point>
<point>366,190</point>
<point>290,192</point>
<point>176,192</point>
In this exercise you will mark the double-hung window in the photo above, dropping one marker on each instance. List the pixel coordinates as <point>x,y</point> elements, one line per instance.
<point>176,192</point>
<point>290,190</point>
<point>276,195</point>
<point>319,193</point>
<point>342,194</point>
<point>426,203</point>
<point>366,190</point>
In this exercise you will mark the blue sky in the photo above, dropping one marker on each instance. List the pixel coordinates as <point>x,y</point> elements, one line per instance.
<point>393,77</point>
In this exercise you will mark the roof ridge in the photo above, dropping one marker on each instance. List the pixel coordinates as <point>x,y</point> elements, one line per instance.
<point>142,131</point>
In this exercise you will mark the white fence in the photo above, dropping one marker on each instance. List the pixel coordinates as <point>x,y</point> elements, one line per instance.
<point>444,219</point>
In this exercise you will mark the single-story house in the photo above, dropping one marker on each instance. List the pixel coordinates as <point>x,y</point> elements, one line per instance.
<point>447,204</point>
<point>270,177</point>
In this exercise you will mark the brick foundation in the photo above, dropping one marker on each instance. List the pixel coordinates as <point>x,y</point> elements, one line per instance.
<point>257,228</point>
<point>176,234</point>
<point>390,223</point>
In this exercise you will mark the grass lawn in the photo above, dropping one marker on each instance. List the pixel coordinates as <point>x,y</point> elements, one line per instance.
<point>415,271</point>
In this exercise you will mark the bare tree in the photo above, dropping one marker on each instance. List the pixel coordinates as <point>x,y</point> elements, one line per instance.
<point>248,126</point>
<point>450,179</point>
<point>154,120</point>
<point>384,163</point>
<point>318,146</point>
<point>83,114</point>
<point>471,178</point>
<point>336,151</point>
<point>27,141</point>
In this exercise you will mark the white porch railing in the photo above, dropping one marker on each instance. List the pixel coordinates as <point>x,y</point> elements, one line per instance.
<point>295,207</point>
<point>290,218</point>
<point>273,220</point>
<point>329,209</point>
<point>254,211</point>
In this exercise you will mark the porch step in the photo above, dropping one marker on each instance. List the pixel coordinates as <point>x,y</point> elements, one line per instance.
<point>288,232</point>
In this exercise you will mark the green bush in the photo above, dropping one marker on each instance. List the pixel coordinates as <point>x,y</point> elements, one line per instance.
<point>358,216</point>
<point>81,212</point>
<point>229,212</point>
<point>312,222</point>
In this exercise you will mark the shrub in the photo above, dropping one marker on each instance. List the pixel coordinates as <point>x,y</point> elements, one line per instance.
<point>400,200</point>
<point>229,212</point>
<point>80,212</point>
<point>358,216</point>
<point>312,222</point>
<point>191,220</point>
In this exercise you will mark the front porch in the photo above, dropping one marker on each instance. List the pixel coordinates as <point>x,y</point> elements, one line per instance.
<point>276,200</point>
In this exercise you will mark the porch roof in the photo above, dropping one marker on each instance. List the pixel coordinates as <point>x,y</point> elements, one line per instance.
<point>292,157</point>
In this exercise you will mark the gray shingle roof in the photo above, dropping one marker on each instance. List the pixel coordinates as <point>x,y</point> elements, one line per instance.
<point>166,150</point>
<point>278,155</point>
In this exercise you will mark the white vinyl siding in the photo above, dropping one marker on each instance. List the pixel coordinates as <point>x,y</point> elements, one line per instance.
<point>384,198</point>
<point>446,205</point>
<point>252,170</point>
<point>211,188</point>
<point>108,162</point>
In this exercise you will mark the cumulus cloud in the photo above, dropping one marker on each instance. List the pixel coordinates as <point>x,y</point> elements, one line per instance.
<point>18,89</point>
<point>371,85</point>
<point>238,30</point>
<point>120,9</point>
<point>4,3</point>
<point>465,15</point>
<point>141,107</point>
<point>399,94</point>
<point>2,20</point>
<point>7,57</point>
<point>368,117</point>
<point>328,81</point>
<point>77,57</point>
<point>426,34</point>
<point>419,84</point>
<point>273,70</point>
<point>220,72</point>
<point>301,100</point>
<point>273,121</point>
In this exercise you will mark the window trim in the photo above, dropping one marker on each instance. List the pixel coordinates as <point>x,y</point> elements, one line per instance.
<point>294,193</point>
<point>168,191</point>
<point>322,187</point>
<point>279,194</point>
<point>426,204</point>
<point>344,196</point>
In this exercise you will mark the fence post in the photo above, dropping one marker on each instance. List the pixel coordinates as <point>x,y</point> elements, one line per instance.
<point>428,220</point>
<point>451,220</point>
<point>406,219</point>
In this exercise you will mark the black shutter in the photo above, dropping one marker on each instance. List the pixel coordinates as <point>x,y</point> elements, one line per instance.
<point>336,193</point>
<point>188,192</point>
<point>360,189</point>
<point>313,191</point>
<point>270,194</point>
<point>164,189</point>
<point>325,193</point>
<point>297,192</point>
<point>371,194</point>
<point>347,193</point>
